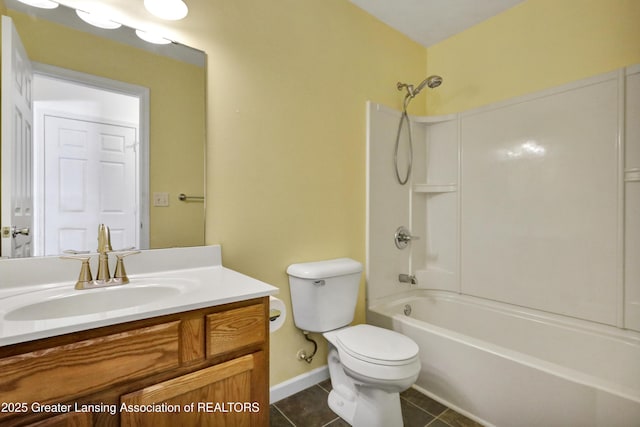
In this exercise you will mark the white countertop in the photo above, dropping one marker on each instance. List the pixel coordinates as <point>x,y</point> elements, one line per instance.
<point>197,286</point>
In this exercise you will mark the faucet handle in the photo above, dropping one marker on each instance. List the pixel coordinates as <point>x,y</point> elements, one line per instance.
<point>121,253</point>
<point>85,276</point>
<point>75,252</point>
<point>403,237</point>
<point>120,273</point>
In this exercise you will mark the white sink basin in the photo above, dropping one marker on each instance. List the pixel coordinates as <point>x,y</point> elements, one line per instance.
<point>38,299</point>
<point>92,301</point>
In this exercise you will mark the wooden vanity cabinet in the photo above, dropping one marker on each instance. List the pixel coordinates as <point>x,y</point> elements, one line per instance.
<point>205,367</point>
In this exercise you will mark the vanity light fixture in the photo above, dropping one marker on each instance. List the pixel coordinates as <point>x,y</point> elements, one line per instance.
<point>171,10</point>
<point>97,20</point>
<point>42,4</point>
<point>152,38</point>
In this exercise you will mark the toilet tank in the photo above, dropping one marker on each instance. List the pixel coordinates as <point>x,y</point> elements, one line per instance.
<point>324,293</point>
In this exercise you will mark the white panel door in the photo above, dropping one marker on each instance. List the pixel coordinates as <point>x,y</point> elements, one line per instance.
<point>90,179</point>
<point>17,145</point>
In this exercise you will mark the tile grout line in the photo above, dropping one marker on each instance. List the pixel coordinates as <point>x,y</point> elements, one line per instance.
<point>283,414</point>
<point>328,391</point>
<point>424,410</point>
<point>440,419</point>
<point>406,400</point>
<point>332,421</point>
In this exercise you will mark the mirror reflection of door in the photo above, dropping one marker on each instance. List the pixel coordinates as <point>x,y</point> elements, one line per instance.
<point>17,182</point>
<point>86,154</point>
<point>71,157</point>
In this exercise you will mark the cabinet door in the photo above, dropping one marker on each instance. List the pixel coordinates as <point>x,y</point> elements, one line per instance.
<point>72,419</point>
<point>224,395</point>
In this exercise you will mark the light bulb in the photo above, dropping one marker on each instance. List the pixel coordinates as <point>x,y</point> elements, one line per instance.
<point>171,10</point>
<point>152,38</point>
<point>43,4</point>
<point>97,20</point>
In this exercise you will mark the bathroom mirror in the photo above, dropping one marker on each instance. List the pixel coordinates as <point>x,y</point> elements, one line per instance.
<point>166,137</point>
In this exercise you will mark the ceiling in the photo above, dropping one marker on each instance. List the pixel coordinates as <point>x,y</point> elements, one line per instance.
<point>431,21</point>
<point>425,21</point>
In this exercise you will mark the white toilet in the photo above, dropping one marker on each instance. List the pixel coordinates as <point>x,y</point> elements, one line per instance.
<point>369,366</point>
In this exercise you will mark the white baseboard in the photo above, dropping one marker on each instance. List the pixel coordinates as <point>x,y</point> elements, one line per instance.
<point>299,383</point>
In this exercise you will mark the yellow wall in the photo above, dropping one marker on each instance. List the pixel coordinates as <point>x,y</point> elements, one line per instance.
<point>287,83</point>
<point>287,137</point>
<point>176,97</point>
<point>535,45</point>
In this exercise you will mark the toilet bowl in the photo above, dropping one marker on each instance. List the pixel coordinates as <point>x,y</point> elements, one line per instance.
<point>369,366</point>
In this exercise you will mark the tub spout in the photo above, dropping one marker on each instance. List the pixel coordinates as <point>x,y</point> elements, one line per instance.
<point>408,278</point>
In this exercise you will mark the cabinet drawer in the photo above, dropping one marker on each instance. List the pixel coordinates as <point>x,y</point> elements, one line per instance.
<point>226,382</point>
<point>233,329</point>
<point>66,371</point>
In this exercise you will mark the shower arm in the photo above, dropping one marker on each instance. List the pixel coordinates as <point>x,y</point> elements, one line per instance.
<point>410,91</point>
<point>407,99</point>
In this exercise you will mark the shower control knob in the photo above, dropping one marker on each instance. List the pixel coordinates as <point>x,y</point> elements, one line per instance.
<point>403,237</point>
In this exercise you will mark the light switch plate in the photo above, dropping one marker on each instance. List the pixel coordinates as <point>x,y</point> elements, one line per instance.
<point>160,199</point>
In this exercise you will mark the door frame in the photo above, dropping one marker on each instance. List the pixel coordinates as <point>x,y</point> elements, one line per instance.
<point>142,93</point>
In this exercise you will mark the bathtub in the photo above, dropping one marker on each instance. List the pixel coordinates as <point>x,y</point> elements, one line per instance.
<point>509,366</point>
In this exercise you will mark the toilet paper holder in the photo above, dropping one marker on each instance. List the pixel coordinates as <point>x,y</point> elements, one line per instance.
<point>274,314</point>
<point>277,314</point>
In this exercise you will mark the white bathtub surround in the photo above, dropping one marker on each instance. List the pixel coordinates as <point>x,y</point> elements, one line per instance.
<point>533,201</point>
<point>531,205</point>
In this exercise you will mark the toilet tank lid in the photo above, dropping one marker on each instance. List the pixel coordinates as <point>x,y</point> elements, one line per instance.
<point>324,269</point>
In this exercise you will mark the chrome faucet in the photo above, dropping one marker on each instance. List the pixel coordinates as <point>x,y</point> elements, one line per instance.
<point>103,278</point>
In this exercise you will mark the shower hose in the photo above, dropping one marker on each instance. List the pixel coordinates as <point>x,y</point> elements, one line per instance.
<point>403,119</point>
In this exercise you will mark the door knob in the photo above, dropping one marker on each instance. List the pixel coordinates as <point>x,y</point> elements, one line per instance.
<point>15,231</point>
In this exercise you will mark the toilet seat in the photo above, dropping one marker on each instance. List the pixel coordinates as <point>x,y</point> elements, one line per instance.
<point>390,357</point>
<point>376,345</point>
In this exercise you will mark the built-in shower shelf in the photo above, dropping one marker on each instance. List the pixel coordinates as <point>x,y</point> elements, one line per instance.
<point>632,175</point>
<point>434,189</point>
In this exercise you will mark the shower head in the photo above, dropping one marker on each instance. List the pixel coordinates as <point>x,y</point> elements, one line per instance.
<point>431,81</point>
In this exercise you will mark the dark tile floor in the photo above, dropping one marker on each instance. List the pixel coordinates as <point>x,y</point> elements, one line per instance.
<point>309,408</point>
